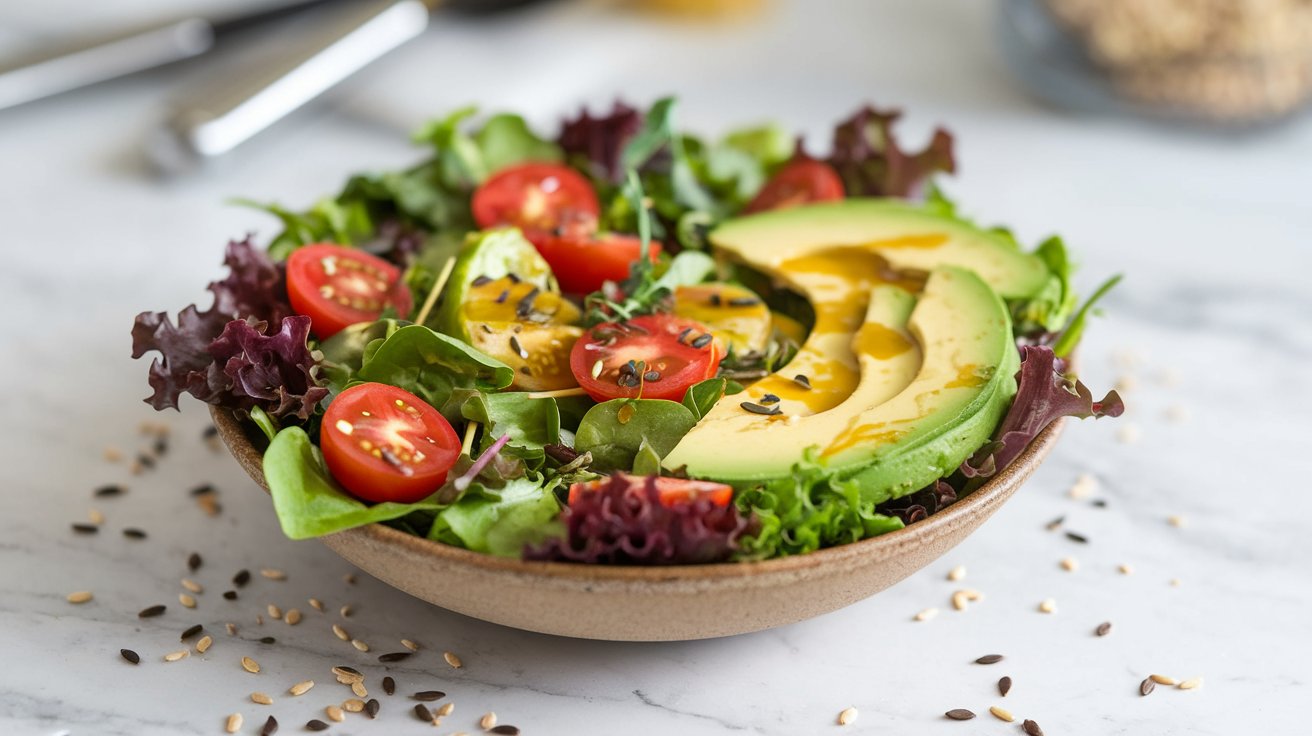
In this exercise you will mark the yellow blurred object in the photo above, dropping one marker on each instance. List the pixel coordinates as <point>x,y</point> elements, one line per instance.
<point>702,8</point>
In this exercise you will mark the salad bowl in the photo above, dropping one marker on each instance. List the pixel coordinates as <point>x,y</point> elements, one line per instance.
<point>653,603</point>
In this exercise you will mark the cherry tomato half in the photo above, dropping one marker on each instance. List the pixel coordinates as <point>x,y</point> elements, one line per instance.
<point>383,443</point>
<point>582,261</point>
<point>536,198</point>
<point>798,182</point>
<point>337,287</point>
<point>656,356</point>
<point>671,491</point>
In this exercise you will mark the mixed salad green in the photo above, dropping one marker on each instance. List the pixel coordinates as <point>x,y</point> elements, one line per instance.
<point>625,344</point>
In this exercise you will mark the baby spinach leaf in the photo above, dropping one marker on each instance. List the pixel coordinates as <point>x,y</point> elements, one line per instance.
<point>647,461</point>
<point>501,521</point>
<point>531,423</point>
<point>506,140</point>
<point>433,366</point>
<point>702,396</point>
<point>309,503</point>
<point>614,431</point>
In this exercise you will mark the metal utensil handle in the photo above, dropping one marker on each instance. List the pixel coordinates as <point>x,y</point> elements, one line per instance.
<point>87,62</point>
<point>231,116</point>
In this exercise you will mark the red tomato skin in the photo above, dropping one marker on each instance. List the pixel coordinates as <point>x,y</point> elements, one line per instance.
<point>582,263</point>
<point>535,197</point>
<point>306,275</point>
<point>672,491</point>
<point>370,478</point>
<point>798,182</point>
<point>657,338</point>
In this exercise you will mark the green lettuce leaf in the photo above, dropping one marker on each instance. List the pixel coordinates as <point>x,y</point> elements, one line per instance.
<point>501,521</point>
<point>531,423</point>
<point>434,367</point>
<point>614,431</point>
<point>309,503</point>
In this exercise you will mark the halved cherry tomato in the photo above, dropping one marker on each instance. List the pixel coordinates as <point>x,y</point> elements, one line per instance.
<point>536,198</point>
<point>582,261</point>
<point>671,491</point>
<point>337,287</point>
<point>656,356</point>
<point>383,443</point>
<point>799,182</point>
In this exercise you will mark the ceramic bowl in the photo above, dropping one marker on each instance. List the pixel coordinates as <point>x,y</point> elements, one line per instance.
<point>653,603</point>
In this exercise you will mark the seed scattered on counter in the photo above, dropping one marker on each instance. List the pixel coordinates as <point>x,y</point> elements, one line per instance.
<point>261,698</point>
<point>989,659</point>
<point>1076,537</point>
<point>229,595</point>
<point>301,687</point>
<point>151,611</point>
<point>191,631</point>
<point>134,533</point>
<point>340,633</point>
<point>109,491</point>
<point>394,656</point>
<point>346,611</point>
<point>1147,686</point>
<point>957,573</point>
<point>926,614</point>
<point>234,723</point>
<point>1031,728</point>
<point>175,656</point>
<point>1163,680</point>
<point>80,528</point>
<point>1048,605</point>
<point>349,578</point>
<point>423,713</point>
<point>194,561</point>
<point>1083,487</point>
<point>292,617</point>
<point>241,578</point>
<point>1192,683</point>
<point>1125,569</point>
<point>112,455</point>
<point>204,644</point>
<point>1176,414</point>
<point>250,665</point>
<point>80,596</point>
<point>273,574</point>
<point>130,656</point>
<point>316,604</point>
<point>1055,524</point>
<point>209,505</point>
<point>1002,714</point>
<point>960,714</point>
<point>275,612</point>
<point>334,713</point>
<point>231,629</point>
<point>353,705</point>
<point>347,675</point>
<point>1004,686</point>
<point>371,707</point>
<point>408,644</point>
<point>452,660</point>
<point>1176,582</point>
<point>359,689</point>
<point>202,489</point>
<point>270,727</point>
<point>389,685</point>
<point>192,585</point>
<point>186,600</point>
<point>964,597</point>
<point>446,709</point>
<point>429,696</point>
<point>95,517</point>
<point>1175,521</point>
<point>360,645</point>
<point>314,724</point>
<point>1103,629</point>
<point>1070,564</point>
<point>267,640</point>
<point>489,719</point>
<point>513,730</point>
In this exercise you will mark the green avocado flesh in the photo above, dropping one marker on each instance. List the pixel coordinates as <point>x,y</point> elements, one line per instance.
<point>905,375</point>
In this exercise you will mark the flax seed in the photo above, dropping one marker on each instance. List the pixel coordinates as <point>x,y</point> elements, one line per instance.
<point>270,727</point>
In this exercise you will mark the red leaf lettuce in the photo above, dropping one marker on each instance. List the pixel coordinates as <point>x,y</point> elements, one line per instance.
<point>870,162</point>
<point>599,141</point>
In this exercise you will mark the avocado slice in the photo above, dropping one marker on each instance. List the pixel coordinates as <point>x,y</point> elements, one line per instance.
<point>934,375</point>
<point>907,239</point>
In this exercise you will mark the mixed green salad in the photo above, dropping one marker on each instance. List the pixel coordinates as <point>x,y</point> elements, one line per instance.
<point>625,344</point>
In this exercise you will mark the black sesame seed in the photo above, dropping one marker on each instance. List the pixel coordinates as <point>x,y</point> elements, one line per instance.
<point>110,491</point>
<point>683,334</point>
<point>519,349</point>
<point>394,656</point>
<point>486,328</point>
<point>503,296</point>
<point>1099,503</point>
<point>268,640</point>
<point>241,578</point>
<point>801,380</point>
<point>744,301</point>
<point>1077,537</point>
<point>422,712</point>
<point>651,376</point>
<point>86,528</point>
<point>1103,629</point>
<point>702,341</point>
<point>145,461</point>
<point>152,611</point>
<point>482,280</point>
<point>514,279</point>
<point>209,432</point>
<point>134,533</point>
<point>230,595</point>
<point>525,303</point>
<point>769,399</point>
<point>1055,524</point>
<point>505,730</point>
<point>758,409</point>
<point>1147,686</point>
<point>161,446</point>
<point>371,707</point>
<point>270,727</point>
<point>429,696</point>
<point>191,631</point>
<point>193,561</point>
<point>130,656</point>
<point>202,489</point>
<point>989,659</point>
<point>314,724</point>
<point>959,714</point>
<point>389,685</point>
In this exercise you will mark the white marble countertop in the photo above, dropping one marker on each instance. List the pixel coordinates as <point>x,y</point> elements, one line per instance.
<point>1213,326</point>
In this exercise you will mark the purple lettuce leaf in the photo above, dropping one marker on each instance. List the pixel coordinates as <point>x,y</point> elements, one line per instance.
<point>274,372</point>
<point>624,523</point>
<point>871,163</point>
<point>600,140</point>
<point>1043,395</point>
<point>920,505</point>
<point>185,364</point>
<point>255,287</point>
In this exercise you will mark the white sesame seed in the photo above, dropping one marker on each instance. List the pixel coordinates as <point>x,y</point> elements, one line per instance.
<point>80,596</point>
<point>353,705</point>
<point>345,611</point>
<point>316,604</point>
<point>204,644</point>
<point>273,574</point>
<point>1129,433</point>
<point>926,614</point>
<point>1070,564</point>
<point>261,698</point>
<point>452,660</point>
<point>1176,413</point>
<point>301,687</point>
<point>292,617</point>
<point>1048,606</point>
<point>175,656</point>
<point>112,454</point>
<point>1002,714</point>
<point>186,600</point>
<point>1083,487</point>
<point>359,689</point>
<point>192,585</point>
<point>1163,679</point>
<point>957,573</point>
<point>1175,521</point>
<point>341,633</point>
<point>334,713</point>
<point>250,665</point>
<point>1125,569</point>
<point>846,716</point>
<point>1192,683</point>
<point>95,517</point>
<point>275,612</point>
<point>234,723</point>
<point>359,645</point>
<point>1127,382</point>
<point>489,720</point>
<point>410,645</point>
<point>445,710</point>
